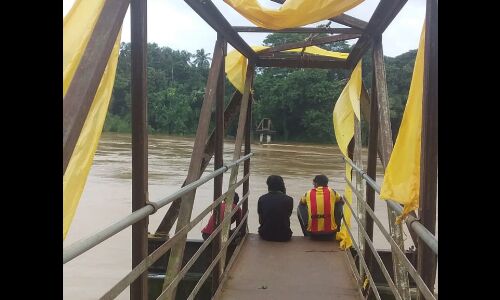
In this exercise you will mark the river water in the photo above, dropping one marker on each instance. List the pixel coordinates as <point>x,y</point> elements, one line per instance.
<point>107,198</point>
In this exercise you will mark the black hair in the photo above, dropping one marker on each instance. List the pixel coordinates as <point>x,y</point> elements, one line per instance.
<point>321,180</point>
<point>276,183</point>
<point>236,198</point>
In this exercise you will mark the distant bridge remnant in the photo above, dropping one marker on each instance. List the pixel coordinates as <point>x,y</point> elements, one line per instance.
<point>264,128</point>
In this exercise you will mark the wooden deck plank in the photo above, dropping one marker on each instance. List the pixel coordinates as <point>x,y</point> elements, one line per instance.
<point>299,269</point>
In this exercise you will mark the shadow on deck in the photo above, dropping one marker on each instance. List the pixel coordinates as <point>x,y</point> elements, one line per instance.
<point>300,269</point>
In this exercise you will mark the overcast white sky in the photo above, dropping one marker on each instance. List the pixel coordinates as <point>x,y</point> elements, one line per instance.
<point>174,24</point>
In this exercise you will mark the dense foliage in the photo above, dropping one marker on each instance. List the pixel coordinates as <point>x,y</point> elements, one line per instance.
<point>298,101</point>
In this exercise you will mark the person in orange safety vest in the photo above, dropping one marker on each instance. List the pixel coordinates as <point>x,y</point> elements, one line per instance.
<point>320,210</point>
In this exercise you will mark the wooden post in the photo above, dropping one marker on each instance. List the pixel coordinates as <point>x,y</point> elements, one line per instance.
<point>236,155</point>
<point>218,162</point>
<point>138,14</point>
<point>400,274</point>
<point>373,146</point>
<point>365,111</point>
<point>427,260</point>
<point>194,172</point>
<point>359,186</point>
<point>230,113</point>
<point>246,166</point>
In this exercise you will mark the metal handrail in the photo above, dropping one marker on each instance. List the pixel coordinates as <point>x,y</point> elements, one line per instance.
<point>85,244</point>
<point>423,233</point>
<point>198,285</point>
<point>409,267</point>
<point>374,251</point>
<point>204,245</point>
<point>367,270</point>
<point>162,249</point>
<point>355,272</point>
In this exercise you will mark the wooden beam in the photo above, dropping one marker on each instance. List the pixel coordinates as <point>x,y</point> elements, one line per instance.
<point>396,230</point>
<point>139,96</point>
<point>209,12</point>
<point>298,30</point>
<point>349,21</point>
<point>361,211</point>
<point>194,172</point>
<point>218,162</point>
<point>341,19</point>
<point>427,260</point>
<point>83,87</point>
<point>230,114</point>
<point>240,133</point>
<point>296,61</point>
<point>385,12</point>
<point>312,42</point>
<point>246,166</point>
<point>365,111</point>
<point>371,170</point>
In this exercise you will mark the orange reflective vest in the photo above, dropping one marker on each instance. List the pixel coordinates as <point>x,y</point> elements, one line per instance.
<point>320,203</point>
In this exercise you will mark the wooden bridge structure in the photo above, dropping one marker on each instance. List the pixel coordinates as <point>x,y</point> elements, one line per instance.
<point>257,269</point>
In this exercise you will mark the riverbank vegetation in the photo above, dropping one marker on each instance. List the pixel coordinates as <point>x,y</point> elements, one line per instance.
<point>298,101</point>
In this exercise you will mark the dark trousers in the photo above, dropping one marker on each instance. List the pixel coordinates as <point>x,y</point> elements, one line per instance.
<point>303,216</point>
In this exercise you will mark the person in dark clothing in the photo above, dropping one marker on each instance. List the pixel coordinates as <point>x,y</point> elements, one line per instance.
<point>275,209</point>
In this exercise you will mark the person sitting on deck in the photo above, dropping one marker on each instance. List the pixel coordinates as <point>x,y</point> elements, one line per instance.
<point>320,210</point>
<point>207,231</point>
<point>275,209</point>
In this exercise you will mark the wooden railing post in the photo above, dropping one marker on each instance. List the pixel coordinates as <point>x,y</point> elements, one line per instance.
<point>218,162</point>
<point>246,166</point>
<point>396,230</point>
<point>138,14</point>
<point>359,186</point>
<point>371,171</point>
<point>427,260</point>
<point>236,155</point>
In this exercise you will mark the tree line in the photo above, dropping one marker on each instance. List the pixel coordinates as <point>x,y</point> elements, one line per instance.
<point>298,101</point>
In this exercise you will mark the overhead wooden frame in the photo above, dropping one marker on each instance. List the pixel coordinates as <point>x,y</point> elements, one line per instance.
<point>383,15</point>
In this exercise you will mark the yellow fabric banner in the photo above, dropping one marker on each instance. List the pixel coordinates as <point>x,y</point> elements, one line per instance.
<point>402,175</point>
<point>236,63</point>
<point>77,29</point>
<point>292,13</point>
<point>346,108</point>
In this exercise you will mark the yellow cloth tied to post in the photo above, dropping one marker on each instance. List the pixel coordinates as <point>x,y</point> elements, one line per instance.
<point>236,63</point>
<point>402,175</point>
<point>346,109</point>
<point>77,29</point>
<point>292,13</point>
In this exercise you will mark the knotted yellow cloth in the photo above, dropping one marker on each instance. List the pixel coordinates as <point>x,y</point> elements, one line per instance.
<point>292,13</point>
<point>77,29</point>
<point>346,108</point>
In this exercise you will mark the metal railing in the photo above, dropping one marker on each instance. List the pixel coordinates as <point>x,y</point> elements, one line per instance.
<point>86,244</point>
<point>429,239</point>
